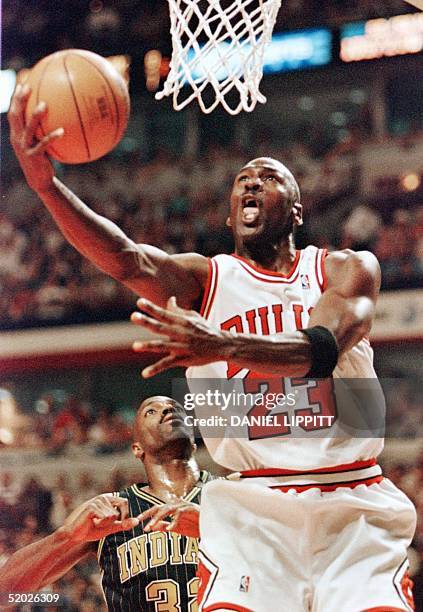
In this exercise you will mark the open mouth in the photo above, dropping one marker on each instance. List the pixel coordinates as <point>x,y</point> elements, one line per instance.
<point>250,209</point>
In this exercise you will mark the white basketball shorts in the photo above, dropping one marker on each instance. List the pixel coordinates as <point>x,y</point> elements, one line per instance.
<point>265,550</point>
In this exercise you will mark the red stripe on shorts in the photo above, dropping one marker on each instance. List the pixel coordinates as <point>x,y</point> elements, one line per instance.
<point>346,467</point>
<point>325,488</point>
<point>223,605</point>
<point>384,609</point>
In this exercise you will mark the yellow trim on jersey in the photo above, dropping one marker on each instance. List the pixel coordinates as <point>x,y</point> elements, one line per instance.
<point>101,542</point>
<point>204,475</point>
<point>145,495</point>
<point>100,548</point>
<point>101,586</point>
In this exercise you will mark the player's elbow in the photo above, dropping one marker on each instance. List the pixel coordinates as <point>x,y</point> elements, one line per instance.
<point>125,265</point>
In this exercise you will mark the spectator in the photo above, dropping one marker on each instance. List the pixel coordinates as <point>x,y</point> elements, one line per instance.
<point>35,500</point>
<point>361,228</point>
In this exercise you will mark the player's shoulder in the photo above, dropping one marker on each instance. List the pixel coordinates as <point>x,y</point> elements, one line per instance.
<point>193,262</point>
<point>364,261</point>
<point>129,491</point>
<point>347,265</point>
<point>125,493</point>
<point>190,259</point>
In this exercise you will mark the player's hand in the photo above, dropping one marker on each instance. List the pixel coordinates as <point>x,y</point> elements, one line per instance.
<point>189,338</point>
<point>98,517</point>
<point>185,518</point>
<point>30,152</point>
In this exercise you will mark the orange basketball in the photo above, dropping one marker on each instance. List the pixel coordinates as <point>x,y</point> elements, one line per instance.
<point>86,96</point>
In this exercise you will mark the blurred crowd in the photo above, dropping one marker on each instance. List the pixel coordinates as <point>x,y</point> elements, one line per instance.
<point>180,205</point>
<point>304,12</point>
<point>37,508</point>
<point>398,244</point>
<point>404,401</point>
<point>56,426</point>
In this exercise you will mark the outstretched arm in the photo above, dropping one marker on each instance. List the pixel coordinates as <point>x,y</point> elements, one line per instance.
<point>346,309</point>
<point>40,563</point>
<point>48,559</point>
<point>146,270</point>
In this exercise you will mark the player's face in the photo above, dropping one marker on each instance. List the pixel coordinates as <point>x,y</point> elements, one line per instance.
<point>160,425</point>
<point>264,202</point>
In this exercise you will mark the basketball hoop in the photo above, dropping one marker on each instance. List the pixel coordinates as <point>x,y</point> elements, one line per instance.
<point>217,50</point>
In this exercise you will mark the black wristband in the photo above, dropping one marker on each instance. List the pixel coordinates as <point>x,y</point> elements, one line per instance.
<point>324,351</point>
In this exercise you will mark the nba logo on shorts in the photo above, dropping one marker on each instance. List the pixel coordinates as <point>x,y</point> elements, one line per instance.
<point>244,584</point>
<point>305,283</point>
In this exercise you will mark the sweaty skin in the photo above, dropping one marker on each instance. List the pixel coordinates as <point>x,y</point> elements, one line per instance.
<point>164,444</point>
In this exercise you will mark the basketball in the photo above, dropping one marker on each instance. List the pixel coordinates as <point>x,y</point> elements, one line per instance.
<point>85,95</point>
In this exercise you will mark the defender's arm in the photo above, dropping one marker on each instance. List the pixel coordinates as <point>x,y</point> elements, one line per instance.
<point>40,563</point>
<point>48,559</point>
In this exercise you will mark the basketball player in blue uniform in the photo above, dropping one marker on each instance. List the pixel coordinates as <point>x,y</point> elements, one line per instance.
<point>143,570</point>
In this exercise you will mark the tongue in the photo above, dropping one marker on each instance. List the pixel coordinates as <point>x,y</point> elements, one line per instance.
<point>250,213</point>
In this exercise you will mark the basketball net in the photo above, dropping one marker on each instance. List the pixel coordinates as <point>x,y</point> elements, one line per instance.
<point>217,50</point>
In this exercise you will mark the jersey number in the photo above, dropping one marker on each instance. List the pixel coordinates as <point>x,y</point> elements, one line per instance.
<point>320,402</point>
<point>167,598</point>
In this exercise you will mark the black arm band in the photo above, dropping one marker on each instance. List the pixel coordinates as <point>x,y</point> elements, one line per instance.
<point>324,352</point>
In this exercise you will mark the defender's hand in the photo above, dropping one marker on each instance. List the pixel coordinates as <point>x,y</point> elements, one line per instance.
<point>30,152</point>
<point>190,339</point>
<point>185,518</point>
<point>98,517</point>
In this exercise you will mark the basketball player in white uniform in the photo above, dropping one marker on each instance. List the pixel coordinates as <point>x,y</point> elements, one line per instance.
<point>310,524</point>
<point>307,522</point>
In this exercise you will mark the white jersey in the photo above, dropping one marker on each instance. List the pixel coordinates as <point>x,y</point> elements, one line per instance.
<point>242,298</point>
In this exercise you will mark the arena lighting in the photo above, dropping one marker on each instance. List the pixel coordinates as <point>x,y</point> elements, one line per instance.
<point>367,40</point>
<point>6,436</point>
<point>7,85</point>
<point>410,182</point>
<point>152,65</point>
<point>9,416</point>
<point>288,51</point>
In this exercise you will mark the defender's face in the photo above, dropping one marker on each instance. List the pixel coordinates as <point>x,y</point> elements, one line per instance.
<point>159,421</point>
<point>262,201</point>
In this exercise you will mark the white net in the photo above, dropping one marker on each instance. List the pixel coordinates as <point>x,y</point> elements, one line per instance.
<point>217,52</point>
